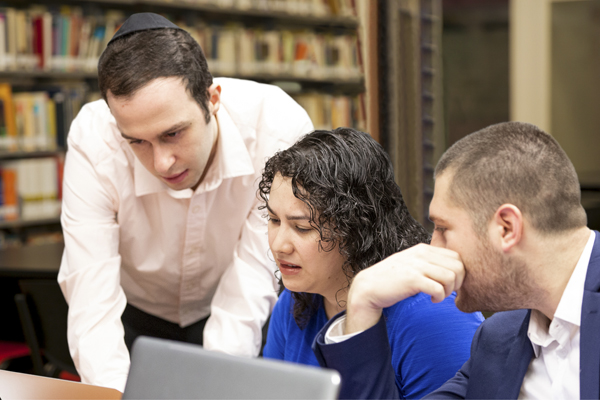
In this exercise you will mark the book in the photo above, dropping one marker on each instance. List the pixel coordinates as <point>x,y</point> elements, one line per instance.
<point>9,209</point>
<point>8,140</point>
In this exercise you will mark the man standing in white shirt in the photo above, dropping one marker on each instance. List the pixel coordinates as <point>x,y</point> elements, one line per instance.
<point>163,236</point>
<point>510,234</point>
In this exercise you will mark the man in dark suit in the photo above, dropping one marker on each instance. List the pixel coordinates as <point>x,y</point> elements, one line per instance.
<point>510,234</point>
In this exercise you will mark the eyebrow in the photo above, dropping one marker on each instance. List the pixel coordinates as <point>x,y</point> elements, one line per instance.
<point>290,217</point>
<point>436,219</point>
<point>178,126</point>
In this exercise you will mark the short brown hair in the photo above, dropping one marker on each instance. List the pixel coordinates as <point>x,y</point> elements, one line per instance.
<point>514,163</point>
<point>132,61</point>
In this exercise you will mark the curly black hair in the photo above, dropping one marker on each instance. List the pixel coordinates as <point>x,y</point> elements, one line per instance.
<point>347,181</point>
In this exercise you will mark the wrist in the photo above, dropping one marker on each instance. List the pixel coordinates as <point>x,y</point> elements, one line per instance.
<point>361,314</point>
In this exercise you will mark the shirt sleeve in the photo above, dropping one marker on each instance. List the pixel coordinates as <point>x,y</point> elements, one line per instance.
<point>89,275</point>
<point>276,336</point>
<point>247,290</point>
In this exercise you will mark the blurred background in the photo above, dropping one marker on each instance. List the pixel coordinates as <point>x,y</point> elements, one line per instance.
<point>418,75</point>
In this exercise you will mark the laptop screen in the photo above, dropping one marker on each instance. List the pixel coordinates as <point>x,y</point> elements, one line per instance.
<point>164,369</point>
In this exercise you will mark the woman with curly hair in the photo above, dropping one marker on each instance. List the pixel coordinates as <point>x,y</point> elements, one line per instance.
<point>334,209</point>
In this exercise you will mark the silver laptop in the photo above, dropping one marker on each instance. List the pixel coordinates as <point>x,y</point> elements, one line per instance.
<point>164,369</point>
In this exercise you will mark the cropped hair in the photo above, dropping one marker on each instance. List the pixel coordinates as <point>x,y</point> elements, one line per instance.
<point>519,164</point>
<point>346,179</point>
<point>131,62</point>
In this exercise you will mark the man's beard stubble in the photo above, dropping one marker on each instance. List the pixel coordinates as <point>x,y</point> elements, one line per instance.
<point>494,282</point>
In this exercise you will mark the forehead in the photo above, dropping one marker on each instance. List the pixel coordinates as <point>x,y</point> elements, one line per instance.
<point>153,108</point>
<point>442,208</point>
<point>281,190</point>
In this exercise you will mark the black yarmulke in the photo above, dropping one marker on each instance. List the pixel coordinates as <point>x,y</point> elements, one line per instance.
<point>143,22</point>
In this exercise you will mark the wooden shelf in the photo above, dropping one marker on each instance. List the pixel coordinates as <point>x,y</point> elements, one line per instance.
<point>33,261</point>
<point>14,155</point>
<point>353,85</point>
<point>28,223</point>
<point>214,11</point>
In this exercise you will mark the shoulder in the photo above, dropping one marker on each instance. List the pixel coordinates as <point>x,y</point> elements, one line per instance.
<point>500,329</point>
<point>283,306</point>
<point>418,318</point>
<point>420,307</point>
<point>94,132</point>
<point>252,94</point>
<point>265,110</point>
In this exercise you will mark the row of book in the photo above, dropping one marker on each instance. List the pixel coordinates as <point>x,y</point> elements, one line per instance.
<point>56,39</point>
<point>237,50</point>
<point>39,120</point>
<point>331,111</point>
<point>64,39</point>
<point>317,8</point>
<point>30,189</point>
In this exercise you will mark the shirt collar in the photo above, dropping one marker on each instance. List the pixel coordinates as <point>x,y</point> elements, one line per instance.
<point>231,160</point>
<point>569,306</point>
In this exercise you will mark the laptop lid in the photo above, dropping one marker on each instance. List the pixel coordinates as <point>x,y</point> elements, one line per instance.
<point>16,385</point>
<point>164,369</point>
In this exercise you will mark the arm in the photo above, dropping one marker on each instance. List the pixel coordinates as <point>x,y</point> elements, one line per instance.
<point>247,290</point>
<point>422,268</point>
<point>364,362</point>
<point>90,271</point>
<point>245,295</point>
<point>430,342</point>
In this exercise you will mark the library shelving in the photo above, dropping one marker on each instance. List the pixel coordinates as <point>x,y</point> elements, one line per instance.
<point>49,51</point>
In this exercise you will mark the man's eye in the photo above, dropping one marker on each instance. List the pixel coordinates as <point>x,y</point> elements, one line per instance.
<point>440,229</point>
<point>135,141</point>
<point>172,134</point>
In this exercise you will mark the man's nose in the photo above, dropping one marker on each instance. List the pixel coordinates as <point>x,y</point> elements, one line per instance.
<point>163,160</point>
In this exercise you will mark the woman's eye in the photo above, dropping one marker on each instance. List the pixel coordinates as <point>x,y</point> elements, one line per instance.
<point>303,230</point>
<point>272,219</point>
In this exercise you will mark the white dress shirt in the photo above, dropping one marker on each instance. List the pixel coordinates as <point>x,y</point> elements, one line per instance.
<point>554,370</point>
<point>179,255</point>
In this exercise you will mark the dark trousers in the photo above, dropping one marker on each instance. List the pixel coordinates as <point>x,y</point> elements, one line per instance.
<point>137,323</point>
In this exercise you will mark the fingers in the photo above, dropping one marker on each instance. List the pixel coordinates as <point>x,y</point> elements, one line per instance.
<point>443,258</point>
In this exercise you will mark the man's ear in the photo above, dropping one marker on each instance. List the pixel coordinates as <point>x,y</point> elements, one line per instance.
<point>214,97</point>
<point>508,226</point>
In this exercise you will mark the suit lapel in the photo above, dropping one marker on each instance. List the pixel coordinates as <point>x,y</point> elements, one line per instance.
<point>517,361</point>
<point>589,348</point>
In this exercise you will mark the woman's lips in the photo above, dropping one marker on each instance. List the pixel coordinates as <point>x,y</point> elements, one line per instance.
<point>176,178</point>
<point>288,268</point>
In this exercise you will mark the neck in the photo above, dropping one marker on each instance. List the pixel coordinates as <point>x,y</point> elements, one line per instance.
<point>555,261</point>
<point>335,303</point>
<point>213,151</point>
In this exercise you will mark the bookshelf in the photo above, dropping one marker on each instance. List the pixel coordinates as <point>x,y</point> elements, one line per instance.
<point>49,51</point>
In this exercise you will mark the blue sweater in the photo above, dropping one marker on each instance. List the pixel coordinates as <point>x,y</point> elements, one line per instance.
<point>429,342</point>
